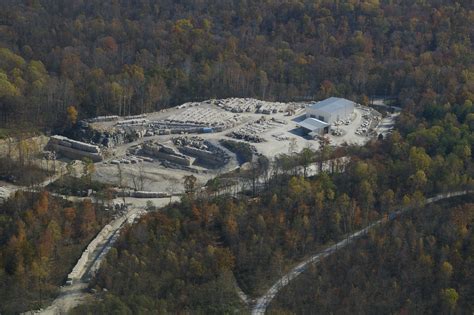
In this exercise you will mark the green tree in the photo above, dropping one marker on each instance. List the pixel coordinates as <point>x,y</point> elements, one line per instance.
<point>450,298</point>
<point>72,114</point>
<point>6,87</point>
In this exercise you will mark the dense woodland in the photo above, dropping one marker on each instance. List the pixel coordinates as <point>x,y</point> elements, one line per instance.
<point>41,239</point>
<point>121,57</point>
<point>422,264</point>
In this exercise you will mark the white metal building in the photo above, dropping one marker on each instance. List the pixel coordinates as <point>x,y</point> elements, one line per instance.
<point>331,109</point>
<point>314,127</point>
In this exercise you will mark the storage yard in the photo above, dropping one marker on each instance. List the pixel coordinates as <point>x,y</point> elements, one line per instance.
<point>73,149</point>
<point>162,147</point>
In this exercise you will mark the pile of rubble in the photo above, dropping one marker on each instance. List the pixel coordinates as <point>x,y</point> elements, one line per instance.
<point>238,105</point>
<point>167,128</point>
<point>193,141</point>
<point>204,117</point>
<point>251,131</point>
<point>163,152</point>
<point>271,108</point>
<point>192,120</point>
<point>203,151</point>
<point>133,122</point>
<point>131,159</point>
<point>338,132</point>
<point>371,119</point>
<point>251,105</point>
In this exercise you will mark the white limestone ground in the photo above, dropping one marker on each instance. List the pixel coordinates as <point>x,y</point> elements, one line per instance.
<point>278,129</point>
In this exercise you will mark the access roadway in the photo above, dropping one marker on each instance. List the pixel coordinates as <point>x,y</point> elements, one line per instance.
<point>264,301</point>
<point>75,291</point>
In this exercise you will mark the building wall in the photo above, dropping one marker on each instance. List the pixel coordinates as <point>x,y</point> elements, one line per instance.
<point>320,131</point>
<point>332,116</point>
<point>318,114</point>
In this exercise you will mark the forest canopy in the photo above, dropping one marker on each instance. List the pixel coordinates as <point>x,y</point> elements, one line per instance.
<point>41,239</point>
<point>122,57</point>
<point>419,265</point>
<point>61,61</point>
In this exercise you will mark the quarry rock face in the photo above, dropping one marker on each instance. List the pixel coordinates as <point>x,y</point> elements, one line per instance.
<point>85,133</point>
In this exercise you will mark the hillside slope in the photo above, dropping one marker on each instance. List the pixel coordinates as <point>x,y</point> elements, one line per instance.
<point>421,264</point>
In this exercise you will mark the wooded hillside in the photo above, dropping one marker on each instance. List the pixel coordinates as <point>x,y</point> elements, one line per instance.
<point>421,264</point>
<point>65,60</point>
<point>41,238</point>
<point>122,57</point>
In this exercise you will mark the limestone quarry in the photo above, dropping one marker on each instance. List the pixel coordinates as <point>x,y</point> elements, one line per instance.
<point>158,149</point>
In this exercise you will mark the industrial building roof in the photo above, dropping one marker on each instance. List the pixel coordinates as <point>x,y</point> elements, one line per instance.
<point>312,124</point>
<point>331,104</point>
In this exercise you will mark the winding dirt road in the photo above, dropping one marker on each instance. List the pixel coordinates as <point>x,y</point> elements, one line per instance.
<point>262,303</point>
<point>87,266</point>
